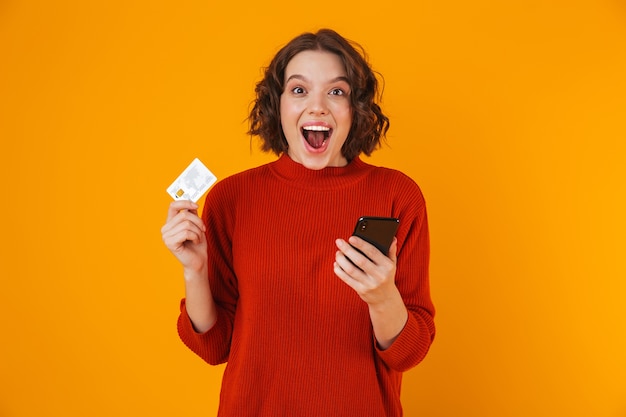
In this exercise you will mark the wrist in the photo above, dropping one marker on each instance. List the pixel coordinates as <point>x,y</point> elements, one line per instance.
<point>390,302</point>
<point>195,274</point>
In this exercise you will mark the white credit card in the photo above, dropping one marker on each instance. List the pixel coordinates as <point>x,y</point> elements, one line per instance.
<point>194,181</point>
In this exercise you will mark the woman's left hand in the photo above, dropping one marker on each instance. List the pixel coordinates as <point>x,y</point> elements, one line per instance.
<point>374,278</point>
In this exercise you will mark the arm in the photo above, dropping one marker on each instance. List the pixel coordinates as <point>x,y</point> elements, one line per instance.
<point>374,281</point>
<point>203,247</point>
<point>184,235</point>
<point>396,288</point>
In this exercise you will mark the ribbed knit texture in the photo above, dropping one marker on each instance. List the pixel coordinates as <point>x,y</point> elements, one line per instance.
<point>297,339</point>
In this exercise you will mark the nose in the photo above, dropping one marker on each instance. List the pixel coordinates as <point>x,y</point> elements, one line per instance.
<point>317,104</point>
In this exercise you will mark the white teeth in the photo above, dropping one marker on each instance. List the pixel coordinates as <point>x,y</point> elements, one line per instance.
<point>317,128</point>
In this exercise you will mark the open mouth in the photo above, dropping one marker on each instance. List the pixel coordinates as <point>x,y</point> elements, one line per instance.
<point>316,136</point>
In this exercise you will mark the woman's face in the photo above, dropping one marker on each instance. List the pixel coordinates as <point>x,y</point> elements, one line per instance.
<point>315,109</point>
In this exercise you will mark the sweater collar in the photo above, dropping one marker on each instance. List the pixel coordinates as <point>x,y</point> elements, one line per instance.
<point>330,178</point>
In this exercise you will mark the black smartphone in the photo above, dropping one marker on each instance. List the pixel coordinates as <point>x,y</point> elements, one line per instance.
<point>379,231</point>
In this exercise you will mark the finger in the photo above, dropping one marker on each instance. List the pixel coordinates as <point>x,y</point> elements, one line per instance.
<point>393,251</point>
<point>351,253</point>
<point>176,238</point>
<point>176,206</point>
<point>184,221</point>
<point>367,249</point>
<point>346,277</point>
<point>348,265</point>
<point>183,217</point>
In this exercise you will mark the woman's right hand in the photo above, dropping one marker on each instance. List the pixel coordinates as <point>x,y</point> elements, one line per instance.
<point>183,234</point>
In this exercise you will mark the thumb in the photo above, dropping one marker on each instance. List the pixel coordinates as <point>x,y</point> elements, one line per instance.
<point>393,250</point>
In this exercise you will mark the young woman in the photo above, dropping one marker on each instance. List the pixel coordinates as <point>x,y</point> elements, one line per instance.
<point>309,321</point>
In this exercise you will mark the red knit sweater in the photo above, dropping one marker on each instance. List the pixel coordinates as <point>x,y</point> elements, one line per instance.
<point>298,340</point>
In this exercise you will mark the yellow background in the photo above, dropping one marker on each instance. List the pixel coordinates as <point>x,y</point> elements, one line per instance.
<point>511,115</point>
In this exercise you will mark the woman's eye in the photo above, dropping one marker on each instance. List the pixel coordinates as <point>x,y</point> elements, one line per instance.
<point>297,90</point>
<point>337,92</point>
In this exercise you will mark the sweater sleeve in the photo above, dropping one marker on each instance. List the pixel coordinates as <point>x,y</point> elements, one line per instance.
<point>213,346</point>
<point>412,280</point>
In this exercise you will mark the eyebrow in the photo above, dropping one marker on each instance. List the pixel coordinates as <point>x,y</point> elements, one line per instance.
<point>303,78</point>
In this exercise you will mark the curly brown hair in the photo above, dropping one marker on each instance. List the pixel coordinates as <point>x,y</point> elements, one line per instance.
<point>369,124</point>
